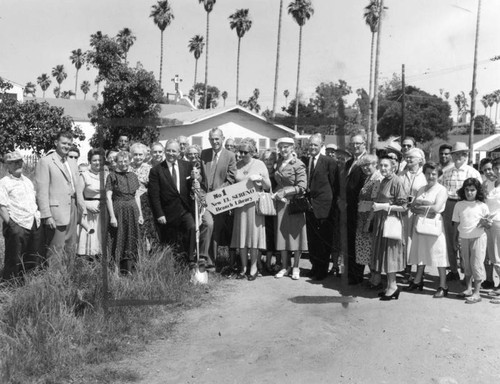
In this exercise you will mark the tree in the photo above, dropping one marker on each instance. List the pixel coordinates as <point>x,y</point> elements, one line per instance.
<point>276,71</point>
<point>301,11</point>
<point>129,107</point>
<point>491,100</point>
<point>126,39</point>
<point>57,92</point>
<point>29,89</point>
<point>44,82</point>
<point>483,125</point>
<point>67,94</point>
<point>462,105</point>
<point>286,93</point>
<point>195,46</point>
<point>162,16</point>
<point>242,23</point>
<point>85,87</point>
<point>32,126</point>
<point>60,75</point>
<point>105,54</point>
<point>212,95</point>
<point>224,97</point>
<point>252,102</point>
<point>373,131</point>
<point>496,99</point>
<point>371,14</point>
<point>426,116</point>
<point>209,6</point>
<point>363,103</point>
<point>77,59</point>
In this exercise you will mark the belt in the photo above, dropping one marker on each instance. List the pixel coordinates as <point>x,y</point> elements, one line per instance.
<point>91,198</point>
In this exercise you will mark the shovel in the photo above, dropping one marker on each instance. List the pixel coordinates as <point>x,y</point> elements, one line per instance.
<point>199,275</point>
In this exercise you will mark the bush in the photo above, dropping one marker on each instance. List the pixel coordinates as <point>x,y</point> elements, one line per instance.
<point>53,324</point>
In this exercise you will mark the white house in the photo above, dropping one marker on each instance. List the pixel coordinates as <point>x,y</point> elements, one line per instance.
<point>17,91</point>
<point>235,122</point>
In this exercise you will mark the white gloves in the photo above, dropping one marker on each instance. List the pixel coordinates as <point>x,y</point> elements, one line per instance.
<point>381,207</point>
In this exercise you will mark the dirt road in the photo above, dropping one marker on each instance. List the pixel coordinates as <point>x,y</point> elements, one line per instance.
<point>285,331</point>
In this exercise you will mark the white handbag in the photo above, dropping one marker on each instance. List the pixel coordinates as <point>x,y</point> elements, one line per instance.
<point>427,226</point>
<point>393,228</point>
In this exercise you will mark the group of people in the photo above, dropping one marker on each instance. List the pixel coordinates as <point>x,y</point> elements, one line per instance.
<point>400,210</point>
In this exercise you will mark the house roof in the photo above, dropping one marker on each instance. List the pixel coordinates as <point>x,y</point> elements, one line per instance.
<point>198,115</point>
<point>488,144</point>
<point>79,110</point>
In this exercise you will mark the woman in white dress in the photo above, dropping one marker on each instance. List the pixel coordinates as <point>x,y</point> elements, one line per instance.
<point>426,249</point>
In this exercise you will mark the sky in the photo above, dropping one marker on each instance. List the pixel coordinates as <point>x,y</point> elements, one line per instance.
<point>433,38</point>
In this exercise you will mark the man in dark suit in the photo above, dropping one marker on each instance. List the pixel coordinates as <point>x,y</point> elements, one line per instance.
<point>218,169</point>
<point>354,183</point>
<point>169,189</point>
<point>323,186</point>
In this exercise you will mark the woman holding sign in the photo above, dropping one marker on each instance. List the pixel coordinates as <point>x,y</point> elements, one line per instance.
<point>249,230</point>
<point>291,233</point>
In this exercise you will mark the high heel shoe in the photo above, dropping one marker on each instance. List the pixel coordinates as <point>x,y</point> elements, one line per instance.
<point>413,286</point>
<point>252,277</point>
<point>241,276</point>
<point>440,293</point>
<point>395,296</point>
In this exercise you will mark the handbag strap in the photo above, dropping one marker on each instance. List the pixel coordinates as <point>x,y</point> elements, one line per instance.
<point>427,212</point>
<point>389,210</point>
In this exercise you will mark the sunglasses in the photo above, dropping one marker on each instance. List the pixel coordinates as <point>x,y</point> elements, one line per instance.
<point>243,152</point>
<point>73,157</point>
<point>406,145</point>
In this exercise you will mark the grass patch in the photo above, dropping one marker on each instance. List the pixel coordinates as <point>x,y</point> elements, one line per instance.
<point>52,326</point>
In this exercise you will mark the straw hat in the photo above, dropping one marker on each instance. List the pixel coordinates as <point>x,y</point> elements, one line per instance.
<point>459,146</point>
<point>285,140</point>
<point>12,156</point>
<point>331,146</point>
<point>394,147</point>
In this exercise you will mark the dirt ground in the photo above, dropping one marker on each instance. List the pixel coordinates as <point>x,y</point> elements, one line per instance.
<point>285,331</point>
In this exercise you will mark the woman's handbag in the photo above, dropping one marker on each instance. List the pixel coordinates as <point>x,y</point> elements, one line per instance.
<point>427,226</point>
<point>299,205</point>
<point>393,228</point>
<point>266,206</point>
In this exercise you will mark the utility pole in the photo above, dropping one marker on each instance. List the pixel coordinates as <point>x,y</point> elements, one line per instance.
<point>276,73</point>
<point>403,104</point>
<point>374,142</point>
<point>473,92</point>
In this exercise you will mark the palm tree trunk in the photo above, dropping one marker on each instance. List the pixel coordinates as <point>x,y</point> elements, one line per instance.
<point>473,92</point>
<point>298,77</point>
<point>206,65</point>
<point>375,84</point>
<point>76,82</point>
<point>84,96</point>
<point>370,94</point>
<point>195,72</point>
<point>238,71</point>
<point>276,72</point>
<point>161,60</point>
<point>496,113</point>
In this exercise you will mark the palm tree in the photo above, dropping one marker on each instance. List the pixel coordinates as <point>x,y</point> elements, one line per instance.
<point>484,101</point>
<point>97,82</point>
<point>60,75</point>
<point>162,16</point>
<point>85,87</point>
<point>209,6</point>
<point>496,98</point>
<point>286,93</point>
<point>371,15</point>
<point>44,82</point>
<point>491,100</point>
<point>77,59</point>
<point>241,21</point>
<point>126,39</point>
<point>224,97</point>
<point>374,138</point>
<point>57,91</point>
<point>276,72</point>
<point>67,94</point>
<point>301,11</point>
<point>29,89</point>
<point>196,45</point>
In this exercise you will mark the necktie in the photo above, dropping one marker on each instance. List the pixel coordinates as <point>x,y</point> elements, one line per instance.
<point>213,169</point>
<point>174,176</point>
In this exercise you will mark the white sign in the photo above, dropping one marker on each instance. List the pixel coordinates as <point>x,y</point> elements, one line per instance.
<point>232,196</point>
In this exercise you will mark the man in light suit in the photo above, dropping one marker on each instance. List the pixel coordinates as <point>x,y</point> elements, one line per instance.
<point>169,189</point>
<point>218,169</point>
<point>323,187</point>
<point>56,178</point>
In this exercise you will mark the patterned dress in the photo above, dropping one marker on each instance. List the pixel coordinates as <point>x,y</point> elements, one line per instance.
<point>387,255</point>
<point>123,240</point>
<point>364,240</point>
<point>89,244</point>
<point>249,230</point>
<point>148,229</point>
<point>291,233</point>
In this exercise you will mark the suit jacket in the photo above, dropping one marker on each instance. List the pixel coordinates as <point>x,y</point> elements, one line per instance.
<point>323,186</point>
<point>225,171</point>
<point>54,189</point>
<point>165,199</point>
<point>355,181</point>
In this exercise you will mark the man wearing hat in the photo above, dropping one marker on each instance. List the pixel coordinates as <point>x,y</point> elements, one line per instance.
<point>330,151</point>
<point>20,217</point>
<point>453,179</point>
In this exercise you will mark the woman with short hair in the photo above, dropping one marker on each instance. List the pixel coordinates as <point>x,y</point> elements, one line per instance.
<point>193,153</point>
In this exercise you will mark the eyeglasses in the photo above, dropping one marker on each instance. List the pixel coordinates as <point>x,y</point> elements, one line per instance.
<point>243,152</point>
<point>73,157</point>
<point>406,146</point>
<point>357,144</point>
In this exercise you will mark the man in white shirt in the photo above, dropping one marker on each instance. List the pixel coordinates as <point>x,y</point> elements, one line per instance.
<point>21,219</point>
<point>453,179</point>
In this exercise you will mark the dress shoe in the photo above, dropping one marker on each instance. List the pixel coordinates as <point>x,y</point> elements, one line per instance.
<point>395,296</point>
<point>440,293</point>
<point>487,284</point>
<point>413,286</point>
<point>241,276</point>
<point>252,277</point>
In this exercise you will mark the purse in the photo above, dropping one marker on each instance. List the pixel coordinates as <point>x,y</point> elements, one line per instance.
<point>266,206</point>
<point>299,205</point>
<point>393,228</point>
<point>427,226</point>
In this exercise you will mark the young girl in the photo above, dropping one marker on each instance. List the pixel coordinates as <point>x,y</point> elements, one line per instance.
<point>471,217</point>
